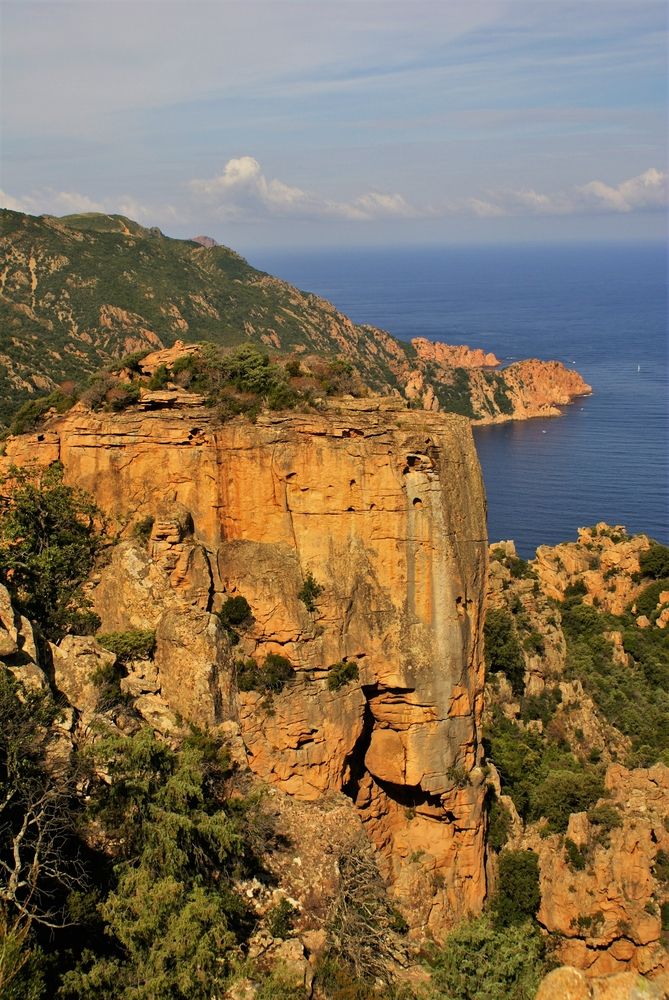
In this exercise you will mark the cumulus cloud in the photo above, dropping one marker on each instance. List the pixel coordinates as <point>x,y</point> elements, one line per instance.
<point>648,191</point>
<point>242,190</point>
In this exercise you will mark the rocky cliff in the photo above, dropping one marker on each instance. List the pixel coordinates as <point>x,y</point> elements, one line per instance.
<point>383,507</point>
<point>587,711</point>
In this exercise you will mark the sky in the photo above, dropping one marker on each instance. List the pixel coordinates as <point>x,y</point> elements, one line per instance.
<point>341,122</point>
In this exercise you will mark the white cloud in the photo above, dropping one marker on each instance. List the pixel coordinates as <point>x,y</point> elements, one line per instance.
<point>648,191</point>
<point>243,191</point>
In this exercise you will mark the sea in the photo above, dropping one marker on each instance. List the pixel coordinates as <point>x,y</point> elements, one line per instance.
<point>601,309</point>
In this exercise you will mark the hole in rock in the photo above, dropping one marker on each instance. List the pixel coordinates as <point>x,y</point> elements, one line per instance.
<point>352,483</point>
<point>409,796</point>
<point>417,502</point>
<point>350,508</point>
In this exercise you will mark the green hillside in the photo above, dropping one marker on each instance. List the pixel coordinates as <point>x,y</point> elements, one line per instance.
<point>79,291</point>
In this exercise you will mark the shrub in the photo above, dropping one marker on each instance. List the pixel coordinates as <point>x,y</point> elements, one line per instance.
<point>502,649</point>
<point>130,361</point>
<point>664,915</point>
<point>563,792</point>
<point>576,856</point>
<point>122,395</point>
<point>647,601</point>
<point>605,816</point>
<point>280,919</point>
<point>520,569</point>
<point>236,613</point>
<point>499,825</point>
<point>271,678</point>
<point>654,562</point>
<point>172,917</point>
<point>478,960</point>
<point>540,706</point>
<point>160,378</point>
<point>32,413</point>
<point>341,674</point>
<point>309,591</point>
<point>517,897</point>
<point>48,544</point>
<point>661,867</point>
<point>143,528</point>
<point>136,644</point>
<point>534,643</point>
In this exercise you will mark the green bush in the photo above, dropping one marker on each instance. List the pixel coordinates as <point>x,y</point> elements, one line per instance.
<point>564,792</point>
<point>499,825</point>
<point>48,544</point>
<point>160,378</point>
<point>647,601</point>
<point>143,528</point>
<point>502,649</point>
<point>280,919</point>
<point>540,706</point>
<point>341,674</point>
<point>605,816</point>
<point>309,592</point>
<point>236,613</point>
<point>576,856</point>
<point>517,897</point>
<point>32,413</point>
<point>136,644</point>
<point>654,562</point>
<point>479,961</point>
<point>172,917</point>
<point>271,678</point>
<point>122,395</point>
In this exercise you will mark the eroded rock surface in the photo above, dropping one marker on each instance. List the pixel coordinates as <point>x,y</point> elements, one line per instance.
<point>384,507</point>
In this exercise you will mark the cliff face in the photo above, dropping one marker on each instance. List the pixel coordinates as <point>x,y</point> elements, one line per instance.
<point>384,506</point>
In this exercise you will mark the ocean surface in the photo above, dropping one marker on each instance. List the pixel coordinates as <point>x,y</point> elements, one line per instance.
<point>600,309</point>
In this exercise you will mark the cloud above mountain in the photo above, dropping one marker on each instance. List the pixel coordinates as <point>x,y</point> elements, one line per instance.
<point>243,192</point>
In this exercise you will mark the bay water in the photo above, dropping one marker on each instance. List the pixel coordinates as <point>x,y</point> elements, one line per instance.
<point>601,309</point>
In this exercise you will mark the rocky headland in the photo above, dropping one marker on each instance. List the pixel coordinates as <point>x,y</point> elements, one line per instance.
<point>79,293</point>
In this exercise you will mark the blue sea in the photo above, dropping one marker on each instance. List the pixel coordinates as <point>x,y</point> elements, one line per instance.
<point>601,309</point>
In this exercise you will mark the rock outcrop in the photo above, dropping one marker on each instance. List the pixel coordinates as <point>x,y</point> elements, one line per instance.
<point>459,356</point>
<point>604,559</point>
<point>607,914</point>
<point>384,507</point>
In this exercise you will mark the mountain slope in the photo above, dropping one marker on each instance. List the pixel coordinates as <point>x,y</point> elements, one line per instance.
<point>82,290</point>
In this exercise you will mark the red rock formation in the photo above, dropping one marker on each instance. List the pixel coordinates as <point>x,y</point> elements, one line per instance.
<point>448,355</point>
<point>384,506</point>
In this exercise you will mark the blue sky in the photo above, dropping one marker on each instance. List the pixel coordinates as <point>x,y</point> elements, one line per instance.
<point>348,122</point>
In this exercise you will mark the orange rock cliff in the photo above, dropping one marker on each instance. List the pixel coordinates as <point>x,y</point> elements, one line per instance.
<point>384,506</point>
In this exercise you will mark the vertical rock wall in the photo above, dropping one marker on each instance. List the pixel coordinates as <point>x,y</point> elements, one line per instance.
<point>385,508</point>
